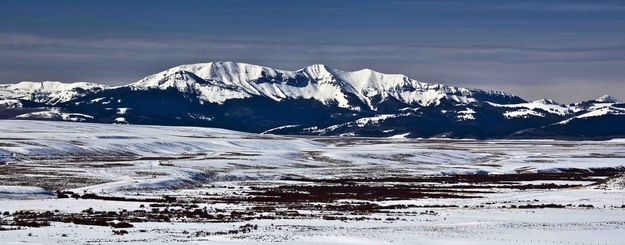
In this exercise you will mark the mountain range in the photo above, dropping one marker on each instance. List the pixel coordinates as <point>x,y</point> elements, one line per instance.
<point>315,100</point>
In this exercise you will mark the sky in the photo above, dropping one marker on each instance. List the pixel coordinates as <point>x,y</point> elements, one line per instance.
<point>563,50</point>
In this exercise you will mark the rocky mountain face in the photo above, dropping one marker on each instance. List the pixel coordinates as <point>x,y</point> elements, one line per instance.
<point>316,100</point>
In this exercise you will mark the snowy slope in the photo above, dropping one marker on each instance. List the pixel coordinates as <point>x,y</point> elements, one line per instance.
<point>10,103</point>
<point>47,92</point>
<point>534,108</point>
<point>219,81</point>
<point>607,99</point>
<point>603,106</point>
<point>55,114</point>
<point>317,99</point>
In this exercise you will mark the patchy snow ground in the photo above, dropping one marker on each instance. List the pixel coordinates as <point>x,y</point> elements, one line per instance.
<point>369,191</point>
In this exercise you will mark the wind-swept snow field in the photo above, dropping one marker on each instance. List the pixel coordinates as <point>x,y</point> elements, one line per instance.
<point>81,183</point>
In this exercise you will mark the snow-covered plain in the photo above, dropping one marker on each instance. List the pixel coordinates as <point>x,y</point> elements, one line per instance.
<point>563,197</point>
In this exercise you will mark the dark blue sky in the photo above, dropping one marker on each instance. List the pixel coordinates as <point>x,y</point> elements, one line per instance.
<point>567,50</point>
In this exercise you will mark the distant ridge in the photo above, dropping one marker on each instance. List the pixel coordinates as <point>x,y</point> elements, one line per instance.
<point>315,100</point>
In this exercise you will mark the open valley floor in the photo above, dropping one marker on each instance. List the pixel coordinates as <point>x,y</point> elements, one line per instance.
<point>83,183</point>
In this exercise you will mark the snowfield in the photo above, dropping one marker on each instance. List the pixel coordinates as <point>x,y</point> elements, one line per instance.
<point>46,92</point>
<point>230,80</point>
<point>83,183</point>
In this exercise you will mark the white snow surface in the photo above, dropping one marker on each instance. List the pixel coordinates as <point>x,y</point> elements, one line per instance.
<point>604,105</point>
<point>607,99</point>
<point>120,155</point>
<point>361,122</point>
<point>218,82</point>
<point>543,105</point>
<point>466,114</point>
<point>597,111</point>
<point>49,92</point>
<point>210,148</point>
<point>603,111</point>
<point>523,113</point>
<point>10,103</point>
<point>55,114</point>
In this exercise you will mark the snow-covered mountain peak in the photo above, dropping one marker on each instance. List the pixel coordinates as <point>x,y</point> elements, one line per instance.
<point>318,69</point>
<point>180,79</point>
<point>317,73</point>
<point>370,78</point>
<point>51,86</point>
<point>316,99</point>
<point>317,81</point>
<point>50,92</point>
<point>229,73</point>
<point>607,99</point>
<point>545,102</point>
